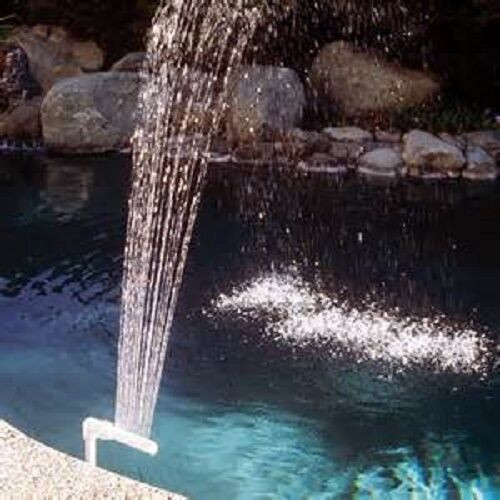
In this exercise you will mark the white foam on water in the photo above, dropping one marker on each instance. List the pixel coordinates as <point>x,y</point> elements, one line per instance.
<point>297,314</point>
<point>271,294</point>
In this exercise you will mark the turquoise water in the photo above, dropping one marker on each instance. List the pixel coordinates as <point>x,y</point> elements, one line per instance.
<point>240,415</point>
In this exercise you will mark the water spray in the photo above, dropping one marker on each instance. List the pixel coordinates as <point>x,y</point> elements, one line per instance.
<point>94,429</point>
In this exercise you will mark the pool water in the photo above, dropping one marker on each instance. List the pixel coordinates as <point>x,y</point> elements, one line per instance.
<point>241,414</point>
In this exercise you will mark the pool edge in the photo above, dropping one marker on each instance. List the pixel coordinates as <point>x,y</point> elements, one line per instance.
<point>29,468</point>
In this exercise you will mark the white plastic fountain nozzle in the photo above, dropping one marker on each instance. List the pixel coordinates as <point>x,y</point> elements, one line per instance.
<point>94,429</point>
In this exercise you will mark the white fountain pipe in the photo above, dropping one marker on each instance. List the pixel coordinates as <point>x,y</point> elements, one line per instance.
<point>94,429</point>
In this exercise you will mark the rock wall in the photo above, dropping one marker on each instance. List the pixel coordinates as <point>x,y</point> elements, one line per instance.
<point>457,39</point>
<point>343,83</point>
<point>118,26</point>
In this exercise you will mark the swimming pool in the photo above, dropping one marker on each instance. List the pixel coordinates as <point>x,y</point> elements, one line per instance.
<point>243,413</point>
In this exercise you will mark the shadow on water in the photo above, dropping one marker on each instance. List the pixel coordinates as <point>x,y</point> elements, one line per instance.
<point>231,394</point>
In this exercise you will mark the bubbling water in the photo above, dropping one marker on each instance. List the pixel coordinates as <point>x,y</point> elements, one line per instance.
<point>193,47</point>
<point>298,315</point>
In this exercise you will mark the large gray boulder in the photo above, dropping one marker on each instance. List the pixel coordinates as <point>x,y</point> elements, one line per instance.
<point>359,83</point>
<point>427,152</point>
<point>92,113</point>
<point>264,102</point>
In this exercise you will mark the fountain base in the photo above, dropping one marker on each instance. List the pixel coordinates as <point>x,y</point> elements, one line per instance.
<point>94,429</point>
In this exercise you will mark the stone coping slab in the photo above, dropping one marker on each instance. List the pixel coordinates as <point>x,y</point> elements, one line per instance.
<point>31,470</point>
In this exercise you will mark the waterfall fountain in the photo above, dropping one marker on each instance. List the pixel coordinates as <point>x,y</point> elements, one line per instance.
<point>193,48</point>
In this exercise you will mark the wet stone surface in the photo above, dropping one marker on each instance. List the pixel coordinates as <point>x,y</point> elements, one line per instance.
<point>381,162</point>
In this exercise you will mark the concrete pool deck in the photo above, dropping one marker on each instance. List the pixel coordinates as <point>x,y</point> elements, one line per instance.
<point>29,469</point>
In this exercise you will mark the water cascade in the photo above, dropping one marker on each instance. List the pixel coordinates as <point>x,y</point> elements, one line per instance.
<point>193,48</point>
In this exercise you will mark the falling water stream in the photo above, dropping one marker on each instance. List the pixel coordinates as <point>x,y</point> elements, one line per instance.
<point>167,181</point>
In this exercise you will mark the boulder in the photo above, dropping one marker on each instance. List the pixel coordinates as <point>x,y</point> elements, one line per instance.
<point>22,121</point>
<point>264,102</point>
<point>425,152</point>
<point>48,62</point>
<point>88,55</point>
<point>489,140</point>
<point>348,134</point>
<point>92,113</point>
<point>384,162</point>
<point>359,83</point>
<point>132,62</point>
<point>480,165</point>
<point>54,54</point>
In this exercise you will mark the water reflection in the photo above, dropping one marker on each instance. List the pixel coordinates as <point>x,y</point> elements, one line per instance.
<point>67,189</point>
<point>41,199</point>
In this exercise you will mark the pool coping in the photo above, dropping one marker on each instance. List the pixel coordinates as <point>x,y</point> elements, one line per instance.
<point>30,469</point>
